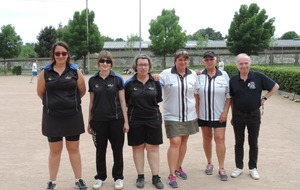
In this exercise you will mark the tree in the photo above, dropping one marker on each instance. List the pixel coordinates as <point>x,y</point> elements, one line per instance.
<point>250,32</point>
<point>46,38</point>
<point>289,35</point>
<point>76,36</point>
<point>10,43</point>
<point>130,43</point>
<point>107,39</point>
<point>202,42</point>
<point>27,51</point>
<point>119,40</point>
<point>211,33</point>
<point>166,34</point>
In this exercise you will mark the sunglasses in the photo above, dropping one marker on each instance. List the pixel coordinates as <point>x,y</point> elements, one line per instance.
<point>181,52</point>
<point>105,61</point>
<point>60,53</point>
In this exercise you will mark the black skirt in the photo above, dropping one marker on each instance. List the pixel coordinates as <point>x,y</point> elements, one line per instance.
<point>62,126</point>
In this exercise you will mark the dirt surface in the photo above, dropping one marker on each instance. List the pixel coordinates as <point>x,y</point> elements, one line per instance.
<point>24,150</point>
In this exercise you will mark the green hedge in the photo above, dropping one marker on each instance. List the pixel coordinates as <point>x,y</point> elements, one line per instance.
<point>17,70</point>
<point>288,78</point>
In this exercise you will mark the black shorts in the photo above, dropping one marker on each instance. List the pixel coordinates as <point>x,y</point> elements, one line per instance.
<point>69,138</point>
<point>212,124</point>
<point>149,132</point>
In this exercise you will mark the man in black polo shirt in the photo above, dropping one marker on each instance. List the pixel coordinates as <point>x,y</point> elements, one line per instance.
<point>246,89</point>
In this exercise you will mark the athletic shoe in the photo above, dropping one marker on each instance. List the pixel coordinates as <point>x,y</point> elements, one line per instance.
<point>80,184</point>
<point>140,182</point>
<point>172,181</point>
<point>97,184</point>
<point>209,169</point>
<point>181,174</point>
<point>236,172</point>
<point>157,182</point>
<point>223,175</point>
<point>254,173</point>
<point>51,186</point>
<point>119,184</point>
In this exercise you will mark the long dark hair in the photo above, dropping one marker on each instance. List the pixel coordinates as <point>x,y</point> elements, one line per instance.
<point>62,44</point>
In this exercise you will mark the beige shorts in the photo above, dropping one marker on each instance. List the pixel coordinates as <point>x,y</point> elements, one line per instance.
<point>177,129</point>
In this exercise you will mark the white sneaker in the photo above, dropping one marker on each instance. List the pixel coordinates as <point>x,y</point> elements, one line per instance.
<point>254,174</point>
<point>97,184</point>
<point>236,172</point>
<point>119,184</point>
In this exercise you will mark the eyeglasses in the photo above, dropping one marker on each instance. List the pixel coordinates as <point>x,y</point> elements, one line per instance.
<point>64,53</point>
<point>181,52</point>
<point>143,65</point>
<point>105,61</point>
<point>209,59</point>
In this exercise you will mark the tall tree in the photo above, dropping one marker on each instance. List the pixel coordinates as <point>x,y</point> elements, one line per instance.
<point>202,41</point>
<point>166,34</point>
<point>211,33</point>
<point>289,35</point>
<point>76,36</point>
<point>250,31</point>
<point>46,38</point>
<point>27,51</point>
<point>10,43</point>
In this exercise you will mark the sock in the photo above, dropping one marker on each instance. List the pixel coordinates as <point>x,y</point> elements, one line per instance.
<point>76,180</point>
<point>141,176</point>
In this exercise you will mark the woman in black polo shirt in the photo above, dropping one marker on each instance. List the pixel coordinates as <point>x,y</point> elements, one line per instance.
<point>107,118</point>
<point>61,87</point>
<point>143,94</point>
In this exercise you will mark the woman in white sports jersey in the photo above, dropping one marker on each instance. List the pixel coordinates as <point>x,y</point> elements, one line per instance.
<point>214,103</point>
<point>180,85</point>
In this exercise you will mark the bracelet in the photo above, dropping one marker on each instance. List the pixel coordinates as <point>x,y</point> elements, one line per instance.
<point>264,97</point>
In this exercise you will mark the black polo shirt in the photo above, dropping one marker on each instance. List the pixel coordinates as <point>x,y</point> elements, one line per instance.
<point>246,95</point>
<point>62,97</point>
<point>106,105</point>
<point>142,100</point>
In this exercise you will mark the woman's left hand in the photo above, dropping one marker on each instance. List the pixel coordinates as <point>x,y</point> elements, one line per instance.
<point>126,128</point>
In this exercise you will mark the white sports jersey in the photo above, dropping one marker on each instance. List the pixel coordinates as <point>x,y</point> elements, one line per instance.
<point>212,94</point>
<point>34,67</point>
<point>179,101</point>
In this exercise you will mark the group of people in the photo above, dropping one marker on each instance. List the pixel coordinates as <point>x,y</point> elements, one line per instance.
<point>190,101</point>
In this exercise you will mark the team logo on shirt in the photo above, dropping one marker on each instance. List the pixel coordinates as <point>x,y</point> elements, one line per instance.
<point>135,88</point>
<point>151,88</point>
<point>251,85</point>
<point>49,78</point>
<point>97,85</point>
<point>68,77</point>
<point>110,85</point>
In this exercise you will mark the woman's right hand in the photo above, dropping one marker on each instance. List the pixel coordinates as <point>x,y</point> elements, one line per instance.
<point>89,129</point>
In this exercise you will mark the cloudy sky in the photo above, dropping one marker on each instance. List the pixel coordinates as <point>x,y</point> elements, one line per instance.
<point>120,18</point>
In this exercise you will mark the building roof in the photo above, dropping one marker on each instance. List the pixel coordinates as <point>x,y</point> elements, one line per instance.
<point>193,44</point>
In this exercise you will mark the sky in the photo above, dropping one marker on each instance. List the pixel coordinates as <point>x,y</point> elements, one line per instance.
<point>120,18</point>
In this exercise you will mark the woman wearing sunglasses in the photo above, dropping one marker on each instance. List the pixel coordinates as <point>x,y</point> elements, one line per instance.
<point>61,86</point>
<point>107,118</point>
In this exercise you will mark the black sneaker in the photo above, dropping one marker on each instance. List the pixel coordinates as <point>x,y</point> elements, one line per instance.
<point>140,182</point>
<point>80,184</point>
<point>157,182</point>
<point>51,186</point>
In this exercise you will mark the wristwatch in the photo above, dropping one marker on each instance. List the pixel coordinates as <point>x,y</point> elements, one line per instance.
<point>264,97</point>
